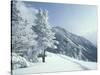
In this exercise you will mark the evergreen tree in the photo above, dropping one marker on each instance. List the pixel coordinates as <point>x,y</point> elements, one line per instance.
<point>23,37</point>
<point>46,38</point>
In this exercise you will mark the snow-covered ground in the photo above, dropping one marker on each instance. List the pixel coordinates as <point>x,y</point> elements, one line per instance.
<point>56,63</point>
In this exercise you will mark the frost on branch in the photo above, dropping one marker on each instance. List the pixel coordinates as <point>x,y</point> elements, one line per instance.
<point>23,37</point>
<point>46,38</point>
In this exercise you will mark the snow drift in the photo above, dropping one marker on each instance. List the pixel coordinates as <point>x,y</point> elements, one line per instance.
<point>56,63</point>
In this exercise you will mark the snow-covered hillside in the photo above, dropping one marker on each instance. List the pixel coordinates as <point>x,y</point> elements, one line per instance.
<point>55,63</point>
<point>37,47</point>
<point>73,45</point>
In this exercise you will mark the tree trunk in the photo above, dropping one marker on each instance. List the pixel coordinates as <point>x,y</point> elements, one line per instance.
<point>43,56</point>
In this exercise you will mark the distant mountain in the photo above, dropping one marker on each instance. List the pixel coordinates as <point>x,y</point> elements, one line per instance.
<point>91,36</point>
<point>74,46</point>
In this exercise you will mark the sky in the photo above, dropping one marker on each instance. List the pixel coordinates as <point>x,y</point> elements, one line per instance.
<point>78,19</point>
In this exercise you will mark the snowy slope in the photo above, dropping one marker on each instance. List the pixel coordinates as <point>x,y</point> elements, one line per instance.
<point>55,63</point>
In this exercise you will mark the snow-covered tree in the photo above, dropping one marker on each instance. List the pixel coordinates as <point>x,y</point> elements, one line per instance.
<point>23,37</point>
<point>18,61</point>
<point>46,38</point>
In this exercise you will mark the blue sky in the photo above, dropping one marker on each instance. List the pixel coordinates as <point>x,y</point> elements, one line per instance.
<point>78,19</point>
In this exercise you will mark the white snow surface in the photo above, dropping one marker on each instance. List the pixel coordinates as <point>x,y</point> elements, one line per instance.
<point>56,63</point>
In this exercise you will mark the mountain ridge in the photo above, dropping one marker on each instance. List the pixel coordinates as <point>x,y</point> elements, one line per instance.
<point>73,45</point>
